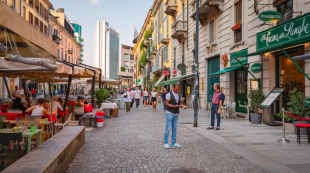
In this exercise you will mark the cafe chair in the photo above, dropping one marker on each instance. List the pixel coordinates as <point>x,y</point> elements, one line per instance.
<point>24,119</point>
<point>79,111</point>
<point>14,111</point>
<point>4,142</point>
<point>63,125</point>
<point>6,125</point>
<point>15,153</point>
<point>45,133</point>
<point>232,109</point>
<point>33,117</point>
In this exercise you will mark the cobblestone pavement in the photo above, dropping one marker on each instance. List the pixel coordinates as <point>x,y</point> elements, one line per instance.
<point>134,143</point>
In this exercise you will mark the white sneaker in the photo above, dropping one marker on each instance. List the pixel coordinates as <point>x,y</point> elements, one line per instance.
<point>147,108</point>
<point>166,146</point>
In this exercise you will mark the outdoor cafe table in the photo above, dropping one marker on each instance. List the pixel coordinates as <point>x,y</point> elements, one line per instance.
<point>26,134</point>
<point>108,107</point>
<point>12,116</point>
<point>118,102</point>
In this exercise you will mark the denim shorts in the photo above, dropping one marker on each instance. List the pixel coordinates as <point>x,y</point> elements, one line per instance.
<point>146,98</point>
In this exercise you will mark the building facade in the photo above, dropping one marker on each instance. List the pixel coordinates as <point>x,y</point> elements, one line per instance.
<point>106,49</point>
<point>62,32</point>
<point>78,37</point>
<point>230,32</point>
<point>127,62</point>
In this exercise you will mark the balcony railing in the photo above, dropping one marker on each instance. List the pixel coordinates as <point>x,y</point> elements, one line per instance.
<point>179,29</point>
<point>82,44</point>
<point>164,38</point>
<point>171,7</point>
<point>82,39</point>
<point>153,50</point>
<point>155,68</point>
<point>82,50</point>
<point>70,51</point>
<point>82,54</point>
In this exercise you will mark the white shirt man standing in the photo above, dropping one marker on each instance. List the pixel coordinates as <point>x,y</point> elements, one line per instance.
<point>137,96</point>
<point>16,93</point>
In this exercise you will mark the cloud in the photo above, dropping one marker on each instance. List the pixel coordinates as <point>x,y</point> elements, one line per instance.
<point>94,1</point>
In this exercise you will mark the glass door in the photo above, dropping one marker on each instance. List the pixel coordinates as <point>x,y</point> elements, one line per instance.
<point>241,97</point>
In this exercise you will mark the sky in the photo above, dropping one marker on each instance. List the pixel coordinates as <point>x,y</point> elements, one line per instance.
<point>122,15</point>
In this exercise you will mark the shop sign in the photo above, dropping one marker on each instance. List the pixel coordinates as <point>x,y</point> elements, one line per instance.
<point>138,80</point>
<point>307,102</point>
<point>188,89</point>
<point>243,60</point>
<point>165,72</point>
<point>256,67</point>
<point>181,66</point>
<point>174,73</point>
<point>224,60</point>
<point>270,16</point>
<point>183,72</point>
<point>288,32</point>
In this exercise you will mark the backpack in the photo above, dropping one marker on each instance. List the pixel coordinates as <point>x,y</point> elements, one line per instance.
<point>223,98</point>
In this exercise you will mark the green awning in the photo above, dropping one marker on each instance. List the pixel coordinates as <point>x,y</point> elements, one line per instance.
<point>226,70</point>
<point>175,80</point>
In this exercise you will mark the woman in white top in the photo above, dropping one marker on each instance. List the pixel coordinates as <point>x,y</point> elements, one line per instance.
<point>154,98</point>
<point>37,109</point>
<point>128,99</point>
<point>146,96</point>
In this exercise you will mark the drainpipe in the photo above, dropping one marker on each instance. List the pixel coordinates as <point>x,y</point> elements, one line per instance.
<point>255,7</point>
<point>187,26</point>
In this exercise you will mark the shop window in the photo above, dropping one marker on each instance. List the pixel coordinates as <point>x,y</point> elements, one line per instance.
<point>238,32</point>
<point>286,9</point>
<point>290,76</point>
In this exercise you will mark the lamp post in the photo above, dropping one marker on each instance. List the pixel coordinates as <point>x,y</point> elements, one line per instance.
<point>196,66</point>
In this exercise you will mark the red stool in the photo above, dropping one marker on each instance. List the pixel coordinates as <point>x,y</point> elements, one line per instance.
<point>298,126</point>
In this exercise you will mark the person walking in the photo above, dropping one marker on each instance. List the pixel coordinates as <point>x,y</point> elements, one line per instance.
<point>154,95</point>
<point>133,99</point>
<point>146,96</point>
<point>217,101</point>
<point>163,98</point>
<point>173,104</point>
<point>33,92</point>
<point>16,93</point>
<point>137,96</point>
<point>128,100</point>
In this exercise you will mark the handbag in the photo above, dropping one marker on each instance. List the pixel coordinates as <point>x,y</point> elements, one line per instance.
<point>126,95</point>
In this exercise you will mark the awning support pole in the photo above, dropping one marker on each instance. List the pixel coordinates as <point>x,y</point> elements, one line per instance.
<point>249,72</point>
<point>295,64</point>
<point>93,89</point>
<point>7,88</point>
<point>49,86</point>
<point>23,83</point>
<point>67,96</point>
<point>100,79</point>
<point>52,104</point>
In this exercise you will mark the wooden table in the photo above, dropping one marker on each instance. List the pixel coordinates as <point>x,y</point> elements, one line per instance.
<point>26,134</point>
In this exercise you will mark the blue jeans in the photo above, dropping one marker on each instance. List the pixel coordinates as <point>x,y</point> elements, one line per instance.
<point>164,102</point>
<point>171,120</point>
<point>214,109</point>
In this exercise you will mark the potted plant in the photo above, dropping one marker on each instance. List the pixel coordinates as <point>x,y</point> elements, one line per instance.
<point>298,109</point>
<point>256,97</point>
<point>100,95</point>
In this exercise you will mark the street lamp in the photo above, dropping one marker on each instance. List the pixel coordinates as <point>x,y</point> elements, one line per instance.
<point>196,66</point>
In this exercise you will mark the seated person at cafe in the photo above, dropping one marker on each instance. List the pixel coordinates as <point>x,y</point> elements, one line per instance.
<point>17,104</point>
<point>79,102</point>
<point>47,106</point>
<point>29,102</point>
<point>38,109</point>
<point>61,102</point>
<point>56,105</point>
<point>86,103</point>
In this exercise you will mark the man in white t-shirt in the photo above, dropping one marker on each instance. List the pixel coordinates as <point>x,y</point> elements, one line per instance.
<point>133,99</point>
<point>137,96</point>
<point>16,93</point>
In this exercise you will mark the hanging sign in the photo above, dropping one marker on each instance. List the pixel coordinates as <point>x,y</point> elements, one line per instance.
<point>181,66</point>
<point>188,90</point>
<point>270,16</point>
<point>174,73</point>
<point>307,102</point>
<point>165,72</point>
<point>244,60</point>
<point>289,32</point>
<point>256,67</point>
<point>138,80</point>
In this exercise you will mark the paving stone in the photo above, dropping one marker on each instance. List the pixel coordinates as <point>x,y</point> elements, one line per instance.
<point>134,143</point>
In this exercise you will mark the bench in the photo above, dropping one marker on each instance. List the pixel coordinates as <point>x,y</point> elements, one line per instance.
<point>54,155</point>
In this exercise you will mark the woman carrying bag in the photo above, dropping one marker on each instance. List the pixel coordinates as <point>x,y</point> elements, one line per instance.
<point>128,99</point>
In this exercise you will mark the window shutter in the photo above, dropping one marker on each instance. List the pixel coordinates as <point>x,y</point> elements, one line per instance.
<point>167,27</point>
<point>162,11</point>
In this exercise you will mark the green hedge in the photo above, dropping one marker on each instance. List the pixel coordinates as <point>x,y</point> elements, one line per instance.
<point>122,68</point>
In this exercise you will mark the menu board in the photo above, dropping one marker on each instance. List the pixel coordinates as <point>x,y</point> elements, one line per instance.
<point>272,97</point>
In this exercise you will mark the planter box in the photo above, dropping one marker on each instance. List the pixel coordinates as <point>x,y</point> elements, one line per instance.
<point>256,118</point>
<point>303,131</point>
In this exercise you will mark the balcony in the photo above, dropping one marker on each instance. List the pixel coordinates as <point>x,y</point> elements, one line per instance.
<point>205,8</point>
<point>70,51</point>
<point>153,50</point>
<point>56,40</point>
<point>179,30</point>
<point>145,44</point>
<point>155,68</point>
<point>82,50</point>
<point>171,7</point>
<point>81,39</point>
<point>164,38</point>
<point>82,54</point>
<point>82,44</point>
